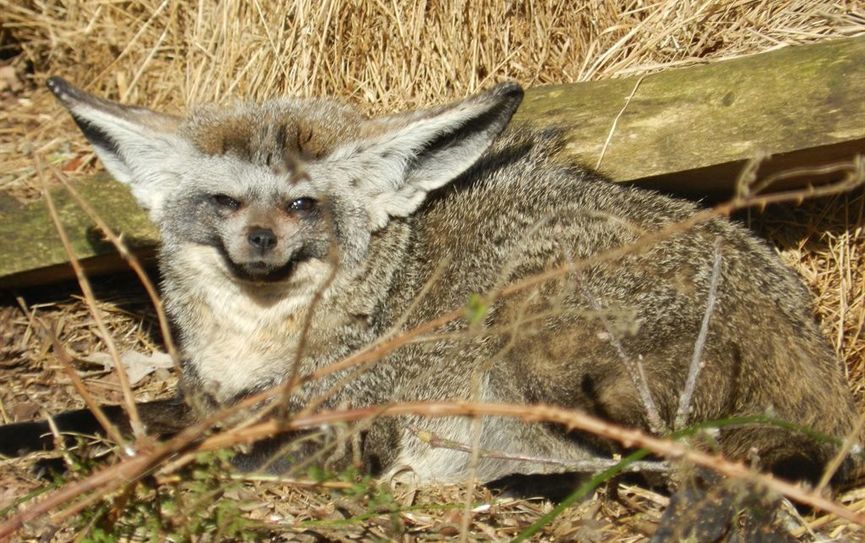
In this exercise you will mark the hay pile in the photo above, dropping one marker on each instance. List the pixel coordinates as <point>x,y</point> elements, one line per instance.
<point>382,56</point>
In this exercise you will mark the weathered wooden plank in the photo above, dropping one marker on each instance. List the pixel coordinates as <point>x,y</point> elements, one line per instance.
<point>684,130</point>
<point>31,251</point>
<point>690,130</point>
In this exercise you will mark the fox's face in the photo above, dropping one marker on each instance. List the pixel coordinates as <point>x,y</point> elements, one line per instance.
<point>256,223</point>
<point>264,191</point>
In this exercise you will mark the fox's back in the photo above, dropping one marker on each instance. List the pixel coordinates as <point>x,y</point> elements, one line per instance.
<point>518,213</point>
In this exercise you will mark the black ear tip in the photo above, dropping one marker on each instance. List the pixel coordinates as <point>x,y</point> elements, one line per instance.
<point>63,90</point>
<point>509,89</point>
<point>57,85</point>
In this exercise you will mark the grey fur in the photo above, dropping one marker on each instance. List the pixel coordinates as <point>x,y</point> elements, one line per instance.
<point>447,200</point>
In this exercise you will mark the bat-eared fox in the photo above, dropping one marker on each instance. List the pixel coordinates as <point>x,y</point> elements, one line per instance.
<point>298,231</point>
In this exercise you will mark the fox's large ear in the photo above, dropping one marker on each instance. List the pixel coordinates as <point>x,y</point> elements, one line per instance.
<point>138,146</point>
<point>422,151</point>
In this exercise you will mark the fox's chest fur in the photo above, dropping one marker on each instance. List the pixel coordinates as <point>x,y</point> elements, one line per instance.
<point>237,338</point>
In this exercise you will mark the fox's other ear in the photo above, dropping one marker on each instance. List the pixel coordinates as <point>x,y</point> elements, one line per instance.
<point>416,153</point>
<point>138,146</point>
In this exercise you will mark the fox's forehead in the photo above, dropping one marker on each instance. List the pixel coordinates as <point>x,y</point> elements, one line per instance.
<point>273,132</point>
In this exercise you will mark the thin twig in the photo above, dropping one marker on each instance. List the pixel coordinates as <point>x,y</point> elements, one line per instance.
<point>684,410</point>
<point>66,361</point>
<point>851,441</point>
<point>361,367</point>
<point>132,468</point>
<point>476,429</point>
<point>592,465</point>
<point>420,296</point>
<point>309,314</point>
<point>266,478</point>
<point>855,177</point>
<point>375,352</point>
<point>572,420</point>
<point>129,469</point>
<point>123,378</point>
<point>130,259</point>
<point>68,366</point>
<point>59,442</point>
<point>634,368</point>
<point>616,121</point>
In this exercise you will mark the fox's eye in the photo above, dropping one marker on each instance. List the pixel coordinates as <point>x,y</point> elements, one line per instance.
<point>301,204</point>
<point>226,201</point>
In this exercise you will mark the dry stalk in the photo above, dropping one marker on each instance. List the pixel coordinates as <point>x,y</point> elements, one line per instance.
<point>131,468</point>
<point>59,442</point>
<point>747,184</point>
<point>854,177</point>
<point>374,353</point>
<point>419,297</point>
<point>123,378</point>
<point>105,481</point>
<point>130,259</point>
<point>476,429</point>
<point>593,465</point>
<point>128,470</point>
<point>68,367</point>
<point>634,367</point>
<point>684,409</point>
<point>616,122</point>
<point>189,441</point>
<point>851,441</point>
<point>292,383</point>
<point>572,420</point>
<point>819,522</point>
<point>317,297</point>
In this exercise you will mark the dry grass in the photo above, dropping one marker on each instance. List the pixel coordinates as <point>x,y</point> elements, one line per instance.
<point>381,56</point>
<point>824,240</point>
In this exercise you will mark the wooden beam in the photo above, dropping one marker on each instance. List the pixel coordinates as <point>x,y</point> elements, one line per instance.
<point>691,130</point>
<point>687,130</point>
<point>30,249</point>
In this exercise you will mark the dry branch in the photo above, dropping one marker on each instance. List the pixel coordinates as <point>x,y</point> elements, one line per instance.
<point>633,367</point>
<point>130,469</point>
<point>131,260</point>
<point>594,465</point>
<point>572,420</point>
<point>696,361</point>
<point>84,283</point>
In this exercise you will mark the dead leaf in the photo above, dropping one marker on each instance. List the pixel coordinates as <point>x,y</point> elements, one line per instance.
<point>9,79</point>
<point>138,365</point>
<point>24,411</point>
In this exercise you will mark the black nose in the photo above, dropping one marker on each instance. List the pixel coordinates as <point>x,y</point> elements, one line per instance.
<point>262,238</point>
